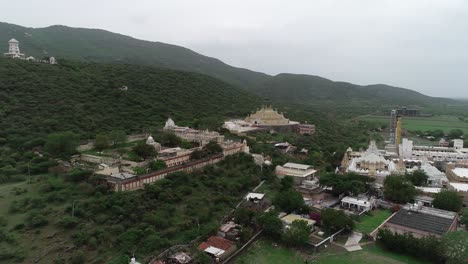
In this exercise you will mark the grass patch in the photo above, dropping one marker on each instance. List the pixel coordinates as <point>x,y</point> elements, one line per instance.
<point>263,251</point>
<point>370,254</point>
<point>445,123</point>
<point>371,221</point>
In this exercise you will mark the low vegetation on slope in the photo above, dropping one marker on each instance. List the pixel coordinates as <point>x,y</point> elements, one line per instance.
<point>71,218</point>
<point>39,99</point>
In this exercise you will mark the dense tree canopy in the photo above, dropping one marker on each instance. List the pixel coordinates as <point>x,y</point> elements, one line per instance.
<point>349,183</point>
<point>417,177</point>
<point>398,189</point>
<point>297,234</point>
<point>102,142</point>
<point>335,220</point>
<point>448,200</point>
<point>455,133</point>
<point>144,151</point>
<point>271,224</point>
<point>62,144</point>
<point>455,247</point>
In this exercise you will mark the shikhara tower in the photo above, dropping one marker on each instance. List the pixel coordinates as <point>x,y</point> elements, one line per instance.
<point>13,49</point>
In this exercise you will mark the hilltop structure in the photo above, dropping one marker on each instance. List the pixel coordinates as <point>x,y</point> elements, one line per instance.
<point>14,50</point>
<point>15,53</point>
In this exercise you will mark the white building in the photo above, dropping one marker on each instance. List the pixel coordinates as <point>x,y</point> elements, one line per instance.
<point>371,163</point>
<point>150,141</point>
<point>299,172</point>
<point>434,153</point>
<point>436,178</point>
<point>358,204</point>
<point>14,50</point>
<point>458,143</point>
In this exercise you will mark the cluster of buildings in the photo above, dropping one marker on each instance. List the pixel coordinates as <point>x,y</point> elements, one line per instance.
<point>15,53</point>
<point>445,166</point>
<point>119,172</point>
<point>267,119</point>
<point>202,137</point>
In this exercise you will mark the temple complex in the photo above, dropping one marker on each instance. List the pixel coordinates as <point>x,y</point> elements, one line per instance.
<point>202,137</point>
<point>268,119</point>
<point>267,116</point>
<point>371,163</point>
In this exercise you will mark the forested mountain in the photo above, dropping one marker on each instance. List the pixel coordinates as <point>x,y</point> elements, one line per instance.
<point>86,98</point>
<point>103,46</point>
<point>314,90</point>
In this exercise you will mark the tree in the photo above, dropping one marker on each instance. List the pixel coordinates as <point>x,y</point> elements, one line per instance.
<point>398,189</point>
<point>349,183</point>
<point>286,183</point>
<point>168,139</point>
<point>417,177</point>
<point>102,142</point>
<point>144,151</point>
<point>62,144</point>
<point>438,133</point>
<point>139,170</point>
<point>212,148</point>
<point>455,247</point>
<point>335,220</point>
<point>455,133</point>
<point>157,165</point>
<point>464,218</point>
<point>271,224</point>
<point>243,216</point>
<point>448,200</point>
<point>289,201</point>
<point>118,137</point>
<point>297,234</point>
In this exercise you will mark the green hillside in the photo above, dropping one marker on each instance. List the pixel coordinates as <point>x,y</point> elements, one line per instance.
<point>97,45</point>
<point>85,98</point>
<point>314,90</point>
<point>104,46</point>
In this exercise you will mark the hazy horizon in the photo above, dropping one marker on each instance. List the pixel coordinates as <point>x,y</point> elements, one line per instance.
<point>419,45</point>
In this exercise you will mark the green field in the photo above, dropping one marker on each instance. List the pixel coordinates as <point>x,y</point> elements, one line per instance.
<point>445,123</point>
<point>370,254</point>
<point>370,222</point>
<point>264,252</point>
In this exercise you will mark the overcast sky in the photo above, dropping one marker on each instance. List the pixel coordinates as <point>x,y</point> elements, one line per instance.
<point>421,45</point>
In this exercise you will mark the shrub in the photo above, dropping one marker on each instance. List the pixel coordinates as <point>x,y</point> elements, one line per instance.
<point>68,222</point>
<point>35,219</point>
<point>78,258</point>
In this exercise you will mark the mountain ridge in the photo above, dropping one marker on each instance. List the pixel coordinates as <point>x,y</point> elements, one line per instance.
<point>98,45</point>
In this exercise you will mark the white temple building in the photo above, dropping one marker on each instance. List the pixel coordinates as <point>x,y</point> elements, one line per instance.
<point>14,50</point>
<point>436,178</point>
<point>203,137</point>
<point>150,141</point>
<point>371,163</point>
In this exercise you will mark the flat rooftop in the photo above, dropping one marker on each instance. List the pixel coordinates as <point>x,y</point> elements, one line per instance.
<point>297,166</point>
<point>462,187</point>
<point>461,172</point>
<point>426,219</point>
